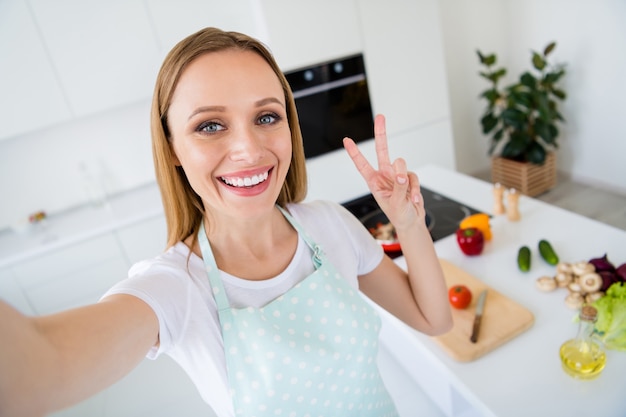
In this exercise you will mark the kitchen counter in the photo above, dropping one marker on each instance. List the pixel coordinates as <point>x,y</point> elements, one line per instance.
<point>80,224</point>
<point>522,377</point>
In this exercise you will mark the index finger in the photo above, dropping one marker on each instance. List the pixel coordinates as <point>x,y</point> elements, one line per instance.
<point>360,162</point>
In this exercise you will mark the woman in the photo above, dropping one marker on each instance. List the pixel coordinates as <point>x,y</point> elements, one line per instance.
<point>256,296</point>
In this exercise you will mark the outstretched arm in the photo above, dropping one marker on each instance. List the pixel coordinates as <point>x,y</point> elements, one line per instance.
<point>51,362</point>
<point>419,296</point>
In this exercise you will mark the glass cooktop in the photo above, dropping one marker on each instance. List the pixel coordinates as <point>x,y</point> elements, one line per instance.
<point>443,214</point>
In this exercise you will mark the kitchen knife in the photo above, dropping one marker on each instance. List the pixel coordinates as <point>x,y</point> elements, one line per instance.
<point>480,306</point>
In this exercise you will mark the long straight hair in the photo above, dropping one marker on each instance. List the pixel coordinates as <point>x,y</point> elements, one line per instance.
<point>183,208</point>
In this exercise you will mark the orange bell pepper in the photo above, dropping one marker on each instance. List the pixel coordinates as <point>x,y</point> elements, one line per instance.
<point>479,221</point>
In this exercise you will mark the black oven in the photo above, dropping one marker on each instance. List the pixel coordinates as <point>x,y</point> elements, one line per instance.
<point>333,102</point>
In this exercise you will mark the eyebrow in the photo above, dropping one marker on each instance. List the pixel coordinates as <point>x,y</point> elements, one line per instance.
<point>258,103</point>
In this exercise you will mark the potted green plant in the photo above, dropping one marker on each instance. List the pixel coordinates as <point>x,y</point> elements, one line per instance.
<point>521,119</point>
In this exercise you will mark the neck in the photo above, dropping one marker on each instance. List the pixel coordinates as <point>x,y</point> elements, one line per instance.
<point>257,247</point>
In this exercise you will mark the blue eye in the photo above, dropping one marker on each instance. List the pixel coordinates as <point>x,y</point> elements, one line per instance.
<point>210,127</point>
<point>269,118</point>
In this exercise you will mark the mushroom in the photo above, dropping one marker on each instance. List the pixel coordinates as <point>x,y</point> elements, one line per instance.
<point>590,298</point>
<point>590,282</point>
<point>546,283</point>
<point>574,286</point>
<point>563,279</point>
<point>581,268</point>
<point>574,300</point>
<point>564,267</point>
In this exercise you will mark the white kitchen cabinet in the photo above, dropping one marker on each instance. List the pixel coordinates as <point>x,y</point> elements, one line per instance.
<point>304,33</point>
<point>12,293</point>
<point>105,53</point>
<point>143,240</point>
<point>174,21</point>
<point>30,93</point>
<point>405,61</point>
<point>72,276</point>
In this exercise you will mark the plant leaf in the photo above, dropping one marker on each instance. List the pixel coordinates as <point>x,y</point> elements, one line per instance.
<point>549,48</point>
<point>515,148</point>
<point>487,60</point>
<point>535,153</point>
<point>559,93</point>
<point>514,118</point>
<point>538,61</point>
<point>544,130</point>
<point>488,121</point>
<point>491,95</point>
<point>528,80</point>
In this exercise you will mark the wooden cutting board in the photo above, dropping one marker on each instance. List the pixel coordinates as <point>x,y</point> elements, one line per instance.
<point>503,319</point>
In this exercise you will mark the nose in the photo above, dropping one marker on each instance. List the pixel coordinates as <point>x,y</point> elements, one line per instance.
<point>247,146</point>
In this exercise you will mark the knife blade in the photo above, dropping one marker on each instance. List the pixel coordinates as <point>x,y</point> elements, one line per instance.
<point>480,306</point>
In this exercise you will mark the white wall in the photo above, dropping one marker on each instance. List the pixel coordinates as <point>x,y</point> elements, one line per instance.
<point>591,37</point>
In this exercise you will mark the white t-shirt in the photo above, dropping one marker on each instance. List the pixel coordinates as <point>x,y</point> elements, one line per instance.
<point>177,288</point>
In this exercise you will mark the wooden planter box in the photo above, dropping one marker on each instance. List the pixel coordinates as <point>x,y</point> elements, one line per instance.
<point>527,178</point>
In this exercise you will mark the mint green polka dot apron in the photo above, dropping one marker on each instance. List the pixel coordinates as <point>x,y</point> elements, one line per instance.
<point>310,352</point>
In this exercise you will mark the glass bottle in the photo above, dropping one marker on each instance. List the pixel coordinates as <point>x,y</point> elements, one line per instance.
<point>583,357</point>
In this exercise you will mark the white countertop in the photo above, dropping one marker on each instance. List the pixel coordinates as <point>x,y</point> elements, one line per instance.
<point>79,224</point>
<point>524,376</point>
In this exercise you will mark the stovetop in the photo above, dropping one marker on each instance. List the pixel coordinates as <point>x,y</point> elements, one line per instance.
<point>443,214</point>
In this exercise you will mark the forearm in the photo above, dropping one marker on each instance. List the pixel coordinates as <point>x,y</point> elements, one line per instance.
<point>61,359</point>
<point>23,355</point>
<point>426,278</point>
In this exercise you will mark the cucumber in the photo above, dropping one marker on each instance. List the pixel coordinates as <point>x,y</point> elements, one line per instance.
<point>523,259</point>
<point>547,252</point>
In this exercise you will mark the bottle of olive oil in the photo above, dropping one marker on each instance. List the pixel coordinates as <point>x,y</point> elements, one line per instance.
<point>583,357</point>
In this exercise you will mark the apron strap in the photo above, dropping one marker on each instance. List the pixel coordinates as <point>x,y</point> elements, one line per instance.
<point>318,254</point>
<point>212,272</point>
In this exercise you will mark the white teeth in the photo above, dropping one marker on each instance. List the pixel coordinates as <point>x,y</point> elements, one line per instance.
<point>245,181</point>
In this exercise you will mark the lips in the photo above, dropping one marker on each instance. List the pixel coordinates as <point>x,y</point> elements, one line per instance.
<point>243,181</point>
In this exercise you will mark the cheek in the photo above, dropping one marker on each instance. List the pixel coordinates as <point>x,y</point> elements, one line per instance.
<point>285,146</point>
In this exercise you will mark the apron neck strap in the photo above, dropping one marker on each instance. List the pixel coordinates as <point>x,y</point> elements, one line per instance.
<point>211,269</point>
<point>213,272</point>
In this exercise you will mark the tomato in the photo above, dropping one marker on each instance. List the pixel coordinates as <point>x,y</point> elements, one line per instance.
<point>460,296</point>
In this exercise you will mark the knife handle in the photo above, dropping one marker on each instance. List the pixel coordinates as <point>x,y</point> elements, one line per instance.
<point>475,329</point>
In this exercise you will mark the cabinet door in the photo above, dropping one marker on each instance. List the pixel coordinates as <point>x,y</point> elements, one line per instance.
<point>304,33</point>
<point>143,240</point>
<point>72,276</point>
<point>104,51</point>
<point>174,21</point>
<point>30,94</point>
<point>405,61</point>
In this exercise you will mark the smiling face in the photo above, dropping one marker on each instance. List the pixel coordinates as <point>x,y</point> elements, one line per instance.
<point>230,133</point>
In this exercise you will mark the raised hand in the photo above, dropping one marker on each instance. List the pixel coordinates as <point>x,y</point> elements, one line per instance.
<point>396,191</point>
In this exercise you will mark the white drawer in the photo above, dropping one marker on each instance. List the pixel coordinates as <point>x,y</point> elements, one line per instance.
<point>57,264</point>
<point>80,287</point>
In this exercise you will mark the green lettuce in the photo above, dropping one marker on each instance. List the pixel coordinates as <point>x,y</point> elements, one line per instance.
<point>611,322</point>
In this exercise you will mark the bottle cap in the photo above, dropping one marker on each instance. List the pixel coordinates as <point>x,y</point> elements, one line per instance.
<point>588,313</point>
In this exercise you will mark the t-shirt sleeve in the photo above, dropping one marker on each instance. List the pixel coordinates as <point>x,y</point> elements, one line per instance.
<point>347,243</point>
<point>168,290</point>
<point>368,251</point>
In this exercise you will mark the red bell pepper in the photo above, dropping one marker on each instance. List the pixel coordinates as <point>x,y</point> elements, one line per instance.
<point>470,240</point>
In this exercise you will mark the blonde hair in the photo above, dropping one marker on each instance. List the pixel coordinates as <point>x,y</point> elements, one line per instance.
<point>183,207</point>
